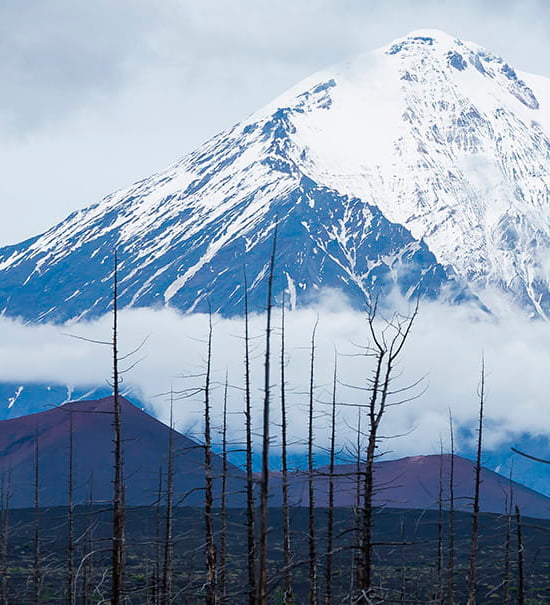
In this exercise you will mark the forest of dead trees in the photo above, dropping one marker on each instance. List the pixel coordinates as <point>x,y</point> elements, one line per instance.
<point>166,553</point>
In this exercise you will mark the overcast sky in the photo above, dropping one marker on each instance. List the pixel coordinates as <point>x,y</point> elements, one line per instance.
<point>98,94</point>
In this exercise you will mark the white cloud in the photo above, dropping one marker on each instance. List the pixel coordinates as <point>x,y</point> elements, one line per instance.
<point>446,345</point>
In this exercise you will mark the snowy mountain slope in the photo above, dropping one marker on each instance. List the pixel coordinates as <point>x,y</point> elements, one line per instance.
<point>425,164</point>
<point>19,399</point>
<point>463,160</point>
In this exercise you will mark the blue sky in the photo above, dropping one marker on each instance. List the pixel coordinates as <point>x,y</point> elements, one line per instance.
<point>98,94</point>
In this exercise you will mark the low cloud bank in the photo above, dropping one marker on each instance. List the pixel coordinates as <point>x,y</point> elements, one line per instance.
<point>445,347</point>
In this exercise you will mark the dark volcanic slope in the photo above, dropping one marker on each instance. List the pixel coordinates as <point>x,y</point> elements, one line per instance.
<point>145,452</point>
<point>406,483</point>
<point>414,483</point>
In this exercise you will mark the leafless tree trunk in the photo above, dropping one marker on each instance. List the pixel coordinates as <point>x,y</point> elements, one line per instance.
<point>330,520</point>
<point>167,564</point>
<point>521,576</point>
<point>507,544</point>
<point>118,493</point>
<point>37,567</point>
<point>451,553</point>
<point>387,345</point>
<point>358,446</point>
<point>439,590</point>
<point>310,482</point>
<point>223,508</point>
<point>264,482</point>
<point>472,586</point>
<point>403,578</point>
<point>90,545</point>
<point>208,497</point>
<point>354,576</point>
<point>71,597</point>
<point>6,497</point>
<point>156,584</point>
<point>250,522</point>
<point>288,598</point>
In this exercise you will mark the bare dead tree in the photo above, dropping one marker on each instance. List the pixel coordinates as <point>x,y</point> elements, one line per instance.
<point>358,482</point>
<point>250,512</point>
<point>403,575</point>
<point>208,495</point>
<point>310,481</point>
<point>521,574</point>
<point>37,567</point>
<point>288,598</point>
<point>264,481</point>
<point>157,574</point>
<point>117,571</point>
<point>354,576</point>
<point>387,344</point>
<point>223,507</point>
<point>6,497</point>
<point>451,551</point>
<point>71,596</point>
<point>439,590</point>
<point>330,520</point>
<point>508,543</point>
<point>472,586</point>
<point>89,541</point>
<point>167,563</point>
<point>529,456</point>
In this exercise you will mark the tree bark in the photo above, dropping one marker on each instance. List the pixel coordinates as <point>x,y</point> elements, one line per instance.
<point>311,485</point>
<point>250,512</point>
<point>521,574</point>
<point>70,520</point>
<point>356,561</point>
<point>330,520</point>
<point>156,589</point>
<point>439,590</point>
<point>451,553</point>
<point>264,482</point>
<point>90,545</point>
<point>118,494</point>
<point>209,498</point>
<point>472,579</point>
<point>167,563</point>
<point>223,508</point>
<point>37,567</point>
<point>6,496</point>
<point>507,544</point>
<point>288,598</point>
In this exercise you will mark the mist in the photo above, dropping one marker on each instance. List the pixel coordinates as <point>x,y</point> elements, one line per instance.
<point>442,357</point>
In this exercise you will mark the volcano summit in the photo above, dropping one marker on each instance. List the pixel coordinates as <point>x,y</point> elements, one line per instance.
<point>423,165</point>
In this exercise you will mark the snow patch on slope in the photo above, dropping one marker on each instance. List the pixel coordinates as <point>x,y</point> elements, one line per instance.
<point>445,142</point>
<point>12,400</point>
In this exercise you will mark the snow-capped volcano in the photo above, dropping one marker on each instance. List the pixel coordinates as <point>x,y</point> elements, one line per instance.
<point>423,165</point>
